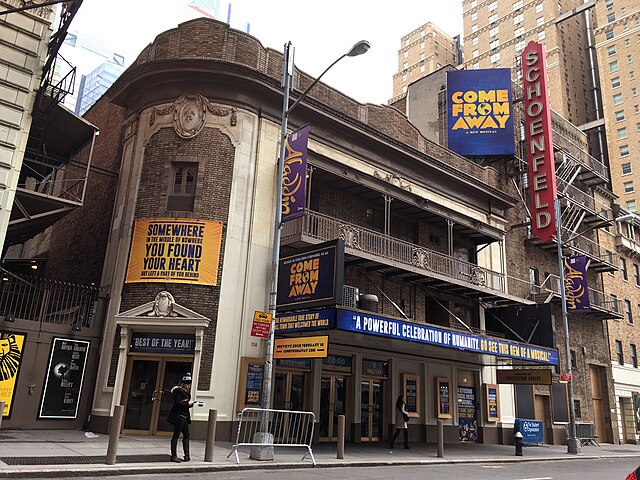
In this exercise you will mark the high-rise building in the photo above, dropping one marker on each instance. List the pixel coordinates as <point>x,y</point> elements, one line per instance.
<point>423,51</point>
<point>93,85</point>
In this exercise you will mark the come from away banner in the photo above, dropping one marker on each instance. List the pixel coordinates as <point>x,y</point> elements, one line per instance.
<point>175,250</point>
<point>479,117</point>
<point>413,332</point>
<point>575,284</point>
<point>294,174</point>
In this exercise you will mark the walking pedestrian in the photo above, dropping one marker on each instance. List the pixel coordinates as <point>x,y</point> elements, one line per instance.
<point>180,418</point>
<point>402,417</point>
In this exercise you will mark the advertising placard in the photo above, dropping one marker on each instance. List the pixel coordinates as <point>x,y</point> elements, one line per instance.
<point>411,394</point>
<point>65,375</point>
<point>479,118</point>
<point>294,174</point>
<point>443,396</point>
<point>11,350</point>
<point>575,284</point>
<point>306,321</point>
<point>175,250</point>
<point>492,400</point>
<point>468,431</point>
<point>311,278</point>
<point>261,324</point>
<point>532,430</point>
<point>301,347</point>
<point>165,343</point>
<point>251,383</point>
<point>522,376</point>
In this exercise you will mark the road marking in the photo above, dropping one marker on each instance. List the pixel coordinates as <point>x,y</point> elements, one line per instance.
<point>536,478</point>
<point>492,466</point>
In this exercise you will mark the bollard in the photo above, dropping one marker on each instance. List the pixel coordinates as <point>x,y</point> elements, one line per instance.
<point>517,439</point>
<point>211,435</point>
<point>1,411</point>
<point>114,435</point>
<point>340,437</point>
<point>440,439</point>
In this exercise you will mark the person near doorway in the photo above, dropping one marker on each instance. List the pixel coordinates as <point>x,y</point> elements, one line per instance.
<point>180,418</point>
<point>402,417</point>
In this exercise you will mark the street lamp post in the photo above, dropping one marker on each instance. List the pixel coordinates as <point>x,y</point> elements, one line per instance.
<point>287,83</point>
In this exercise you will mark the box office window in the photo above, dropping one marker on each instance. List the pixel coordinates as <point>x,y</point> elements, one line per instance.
<point>524,401</point>
<point>183,186</point>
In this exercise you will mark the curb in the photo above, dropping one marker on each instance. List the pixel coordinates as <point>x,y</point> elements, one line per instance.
<point>136,468</point>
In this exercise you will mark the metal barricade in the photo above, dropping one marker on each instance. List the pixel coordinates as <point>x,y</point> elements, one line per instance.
<point>586,433</point>
<point>261,427</point>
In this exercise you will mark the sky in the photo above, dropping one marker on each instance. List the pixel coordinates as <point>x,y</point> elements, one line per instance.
<point>320,31</point>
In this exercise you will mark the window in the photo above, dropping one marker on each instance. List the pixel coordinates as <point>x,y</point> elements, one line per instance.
<point>422,56</point>
<point>404,65</point>
<point>518,32</point>
<point>404,89</point>
<point>539,21</point>
<point>422,68</point>
<point>608,3</point>
<point>494,43</point>
<point>638,127</point>
<point>492,6</point>
<point>474,4</point>
<point>627,312</point>
<point>629,59</point>
<point>519,47</point>
<point>495,57</point>
<point>474,42</point>
<point>474,16</point>
<point>608,34</point>
<point>406,54</point>
<point>634,92</point>
<point>611,17</point>
<point>476,66</point>
<point>624,151</point>
<point>183,188</point>
<point>631,205</point>
<point>611,50</point>
<point>617,99</point>
<point>632,75</point>
<point>622,133</point>
<point>518,19</point>
<point>627,43</point>
<point>623,269</point>
<point>574,363</point>
<point>634,356</point>
<point>619,353</point>
<point>474,28</point>
<point>539,7</point>
<point>475,54</point>
<point>494,31</point>
<point>518,4</point>
<point>404,77</point>
<point>542,35</point>
<point>613,66</point>
<point>626,168</point>
<point>422,44</point>
<point>628,187</point>
<point>577,409</point>
<point>619,115</point>
<point>493,18</point>
<point>636,274</point>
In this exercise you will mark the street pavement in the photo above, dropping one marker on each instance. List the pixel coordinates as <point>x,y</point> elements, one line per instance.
<point>71,453</point>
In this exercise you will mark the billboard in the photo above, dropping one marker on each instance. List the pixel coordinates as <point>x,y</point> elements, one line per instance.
<point>11,350</point>
<point>311,278</point>
<point>537,126</point>
<point>479,117</point>
<point>175,250</point>
<point>294,174</point>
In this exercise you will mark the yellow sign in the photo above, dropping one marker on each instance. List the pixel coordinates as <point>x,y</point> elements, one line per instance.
<point>262,317</point>
<point>11,348</point>
<point>176,250</point>
<point>524,377</point>
<point>302,347</point>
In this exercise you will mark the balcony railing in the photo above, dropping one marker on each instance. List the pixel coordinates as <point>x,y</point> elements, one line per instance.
<point>47,301</point>
<point>630,245</point>
<point>388,249</point>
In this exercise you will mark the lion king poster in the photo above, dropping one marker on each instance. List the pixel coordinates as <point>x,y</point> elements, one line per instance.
<point>11,349</point>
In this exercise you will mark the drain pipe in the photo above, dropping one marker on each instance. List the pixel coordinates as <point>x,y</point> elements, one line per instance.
<point>595,88</point>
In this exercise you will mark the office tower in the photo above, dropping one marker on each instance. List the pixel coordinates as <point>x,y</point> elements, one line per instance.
<point>94,84</point>
<point>423,51</point>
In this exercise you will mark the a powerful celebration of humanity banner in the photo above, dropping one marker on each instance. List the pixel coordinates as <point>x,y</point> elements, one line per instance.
<point>175,250</point>
<point>479,117</point>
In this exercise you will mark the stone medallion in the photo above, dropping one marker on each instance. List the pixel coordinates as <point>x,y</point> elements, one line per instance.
<point>163,305</point>
<point>189,114</point>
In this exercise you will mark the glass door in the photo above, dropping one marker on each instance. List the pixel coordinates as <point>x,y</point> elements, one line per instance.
<point>172,374</point>
<point>371,410</point>
<point>332,404</point>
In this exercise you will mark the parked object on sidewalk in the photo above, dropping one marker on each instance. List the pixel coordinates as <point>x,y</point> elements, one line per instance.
<point>180,418</point>
<point>264,428</point>
<point>517,439</point>
<point>114,435</point>
<point>90,435</point>
<point>402,417</point>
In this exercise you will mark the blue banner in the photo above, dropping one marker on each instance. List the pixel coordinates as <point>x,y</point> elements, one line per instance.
<point>165,343</point>
<point>414,332</point>
<point>306,321</point>
<point>479,116</point>
<point>532,430</point>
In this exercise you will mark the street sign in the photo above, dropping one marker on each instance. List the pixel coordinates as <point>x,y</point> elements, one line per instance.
<point>566,377</point>
<point>261,324</point>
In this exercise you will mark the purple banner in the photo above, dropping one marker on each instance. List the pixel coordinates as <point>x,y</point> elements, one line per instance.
<point>294,174</point>
<point>575,284</point>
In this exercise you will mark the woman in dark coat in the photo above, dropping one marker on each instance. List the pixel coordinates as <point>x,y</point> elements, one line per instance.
<point>402,416</point>
<point>180,418</point>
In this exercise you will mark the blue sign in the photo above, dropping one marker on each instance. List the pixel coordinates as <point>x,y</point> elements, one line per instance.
<point>479,112</point>
<point>531,430</point>
<point>167,343</point>
<point>414,332</point>
<point>305,321</point>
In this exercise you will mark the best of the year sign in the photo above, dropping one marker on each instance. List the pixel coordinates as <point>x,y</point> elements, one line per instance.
<point>175,250</point>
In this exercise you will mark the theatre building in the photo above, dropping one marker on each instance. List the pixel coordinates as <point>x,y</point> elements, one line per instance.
<point>397,263</point>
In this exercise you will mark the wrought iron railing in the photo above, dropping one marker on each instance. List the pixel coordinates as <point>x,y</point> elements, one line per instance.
<point>43,176</point>
<point>360,239</point>
<point>47,301</point>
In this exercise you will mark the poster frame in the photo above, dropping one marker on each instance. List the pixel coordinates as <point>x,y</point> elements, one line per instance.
<point>13,392</point>
<point>242,381</point>
<point>408,378</point>
<point>442,381</point>
<point>487,388</point>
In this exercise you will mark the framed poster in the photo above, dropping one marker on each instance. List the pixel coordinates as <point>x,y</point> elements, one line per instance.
<point>411,389</point>
<point>65,374</point>
<point>11,350</point>
<point>251,383</point>
<point>492,402</point>
<point>443,397</point>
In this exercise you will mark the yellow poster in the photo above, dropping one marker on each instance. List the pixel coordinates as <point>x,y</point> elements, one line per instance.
<point>302,347</point>
<point>11,348</point>
<point>176,250</point>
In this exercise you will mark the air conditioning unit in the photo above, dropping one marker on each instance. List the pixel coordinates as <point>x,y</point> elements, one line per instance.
<point>369,301</point>
<point>350,296</point>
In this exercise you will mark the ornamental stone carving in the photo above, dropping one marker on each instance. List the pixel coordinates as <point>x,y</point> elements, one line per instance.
<point>422,258</point>
<point>189,114</point>
<point>393,179</point>
<point>350,235</point>
<point>163,305</point>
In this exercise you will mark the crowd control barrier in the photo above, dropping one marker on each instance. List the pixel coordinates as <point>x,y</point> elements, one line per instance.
<point>261,427</point>
<point>586,433</point>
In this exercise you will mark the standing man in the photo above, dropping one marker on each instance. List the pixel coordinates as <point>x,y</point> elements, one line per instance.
<point>180,418</point>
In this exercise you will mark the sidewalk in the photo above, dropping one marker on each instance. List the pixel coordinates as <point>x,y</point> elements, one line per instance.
<point>69,453</point>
